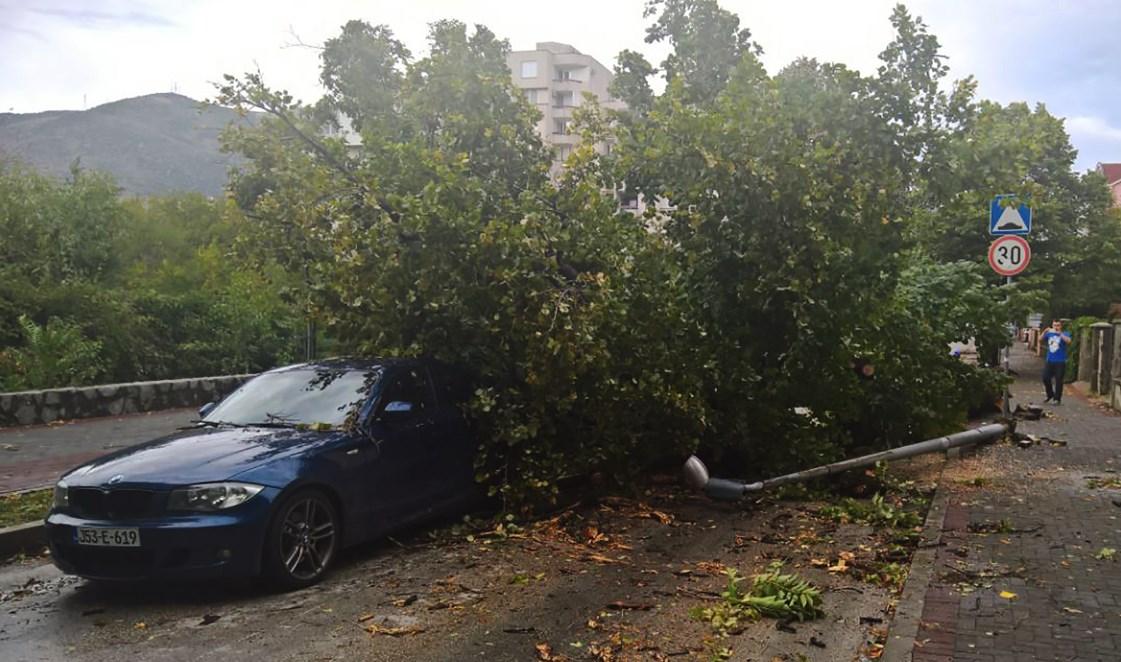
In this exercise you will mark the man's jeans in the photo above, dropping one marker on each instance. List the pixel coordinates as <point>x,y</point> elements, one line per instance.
<point>1053,374</point>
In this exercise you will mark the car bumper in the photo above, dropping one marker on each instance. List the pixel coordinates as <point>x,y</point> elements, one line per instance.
<point>172,547</point>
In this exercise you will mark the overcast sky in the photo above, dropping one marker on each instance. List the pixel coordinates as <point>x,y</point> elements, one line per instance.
<point>73,54</point>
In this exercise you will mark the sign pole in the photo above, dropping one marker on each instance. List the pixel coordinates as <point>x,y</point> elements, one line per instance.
<point>1009,255</point>
<point>1006,406</point>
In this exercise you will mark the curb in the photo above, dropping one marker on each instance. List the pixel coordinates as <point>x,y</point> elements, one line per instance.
<point>904,627</point>
<point>27,538</point>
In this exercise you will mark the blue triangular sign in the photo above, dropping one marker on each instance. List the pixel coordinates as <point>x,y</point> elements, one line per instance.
<point>1013,219</point>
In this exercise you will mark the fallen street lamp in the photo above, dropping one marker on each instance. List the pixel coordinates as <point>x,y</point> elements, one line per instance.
<point>697,477</point>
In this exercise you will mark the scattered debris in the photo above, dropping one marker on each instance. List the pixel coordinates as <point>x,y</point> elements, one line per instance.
<point>1099,483</point>
<point>772,594</point>
<point>1004,527</point>
<point>395,626</point>
<point>1029,413</point>
<point>1106,554</point>
<point>545,653</point>
<point>207,619</point>
<point>622,606</point>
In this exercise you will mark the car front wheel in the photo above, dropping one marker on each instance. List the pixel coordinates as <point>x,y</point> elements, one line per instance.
<point>302,540</point>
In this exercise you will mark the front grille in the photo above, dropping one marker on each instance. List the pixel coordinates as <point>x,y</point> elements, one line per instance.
<point>97,503</point>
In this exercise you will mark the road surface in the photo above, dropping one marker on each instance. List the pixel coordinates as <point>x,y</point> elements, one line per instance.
<point>35,456</point>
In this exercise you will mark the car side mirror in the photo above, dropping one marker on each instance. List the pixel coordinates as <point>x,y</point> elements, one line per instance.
<point>397,408</point>
<point>206,409</point>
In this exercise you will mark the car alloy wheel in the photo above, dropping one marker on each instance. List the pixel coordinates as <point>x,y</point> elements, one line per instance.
<point>303,539</point>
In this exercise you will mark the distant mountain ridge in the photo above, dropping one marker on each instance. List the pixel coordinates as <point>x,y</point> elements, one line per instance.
<point>153,144</point>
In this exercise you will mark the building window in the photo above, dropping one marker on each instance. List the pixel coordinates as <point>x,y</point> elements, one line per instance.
<point>533,95</point>
<point>529,69</point>
<point>561,74</point>
<point>563,152</point>
<point>563,99</point>
<point>560,127</point>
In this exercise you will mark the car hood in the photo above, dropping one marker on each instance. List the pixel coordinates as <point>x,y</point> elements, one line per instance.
<point>197,456</point>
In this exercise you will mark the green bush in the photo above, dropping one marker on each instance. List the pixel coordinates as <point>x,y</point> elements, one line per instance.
<point>55,354</point>
<point>152,286</point>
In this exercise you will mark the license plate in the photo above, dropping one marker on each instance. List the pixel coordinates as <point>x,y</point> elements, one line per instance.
<point>106,537</point>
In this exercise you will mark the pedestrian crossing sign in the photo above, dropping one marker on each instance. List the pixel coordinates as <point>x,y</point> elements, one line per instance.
<point>1007,218</point>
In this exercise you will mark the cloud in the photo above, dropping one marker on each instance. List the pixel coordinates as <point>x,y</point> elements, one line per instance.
<point>27,32</point>
<point>94,18</point>
<point>1094,128</point>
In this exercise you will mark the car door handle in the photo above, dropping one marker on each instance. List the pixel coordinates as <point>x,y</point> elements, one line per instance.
<point>353,451</point>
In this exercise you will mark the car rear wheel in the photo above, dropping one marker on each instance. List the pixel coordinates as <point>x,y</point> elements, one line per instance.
<point>302,540</point>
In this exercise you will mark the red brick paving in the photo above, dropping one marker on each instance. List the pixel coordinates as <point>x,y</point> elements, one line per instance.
<point>1067,603</point>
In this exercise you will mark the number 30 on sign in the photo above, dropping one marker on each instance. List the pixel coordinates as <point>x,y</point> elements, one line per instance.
<point>1009,255</point>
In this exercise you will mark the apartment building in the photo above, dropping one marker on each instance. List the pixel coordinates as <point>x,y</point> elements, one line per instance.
<point>554,77</point>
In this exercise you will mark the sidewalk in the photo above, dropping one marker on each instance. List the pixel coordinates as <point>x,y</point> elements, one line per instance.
<point>1024,569</point>
<point>35,456</point>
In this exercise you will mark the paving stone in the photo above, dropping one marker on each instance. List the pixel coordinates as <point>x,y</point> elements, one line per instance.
<point>1066,605</point>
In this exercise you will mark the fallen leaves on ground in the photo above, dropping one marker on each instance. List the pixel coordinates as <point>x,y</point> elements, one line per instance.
<point>714,568</point>
<point>637,509</point>
<point>545,653</point>
<point>620,605</point>
<point>601,559</point>
<point>842,564</point>
<point>375,628</point>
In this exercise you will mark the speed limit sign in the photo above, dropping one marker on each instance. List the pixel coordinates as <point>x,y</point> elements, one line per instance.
<point>1009,255</point>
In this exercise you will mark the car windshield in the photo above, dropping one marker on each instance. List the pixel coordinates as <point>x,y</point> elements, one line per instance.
<point>301,396</point>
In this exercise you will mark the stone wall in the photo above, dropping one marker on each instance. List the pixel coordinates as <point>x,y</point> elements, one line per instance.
<point>38,407</point>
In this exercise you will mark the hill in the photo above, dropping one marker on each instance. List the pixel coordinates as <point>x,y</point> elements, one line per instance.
<point>152,144</point>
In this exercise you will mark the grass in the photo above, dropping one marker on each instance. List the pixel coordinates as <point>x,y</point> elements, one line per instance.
<point>24,507</point>
<point>878,512</point>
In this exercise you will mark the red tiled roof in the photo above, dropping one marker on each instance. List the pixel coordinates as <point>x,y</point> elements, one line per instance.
<point>1112,171</point>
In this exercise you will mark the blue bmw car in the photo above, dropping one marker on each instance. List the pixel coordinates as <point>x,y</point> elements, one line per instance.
<point>275,479</point>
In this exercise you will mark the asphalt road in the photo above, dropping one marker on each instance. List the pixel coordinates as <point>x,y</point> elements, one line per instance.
<point>34,456</point>
<point>610,580</point>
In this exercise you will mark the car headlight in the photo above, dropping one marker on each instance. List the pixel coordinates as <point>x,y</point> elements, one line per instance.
<point>61,495</point>
<point>211,496</point>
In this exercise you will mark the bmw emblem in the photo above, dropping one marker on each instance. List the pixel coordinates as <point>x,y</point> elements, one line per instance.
<point>115,479</point>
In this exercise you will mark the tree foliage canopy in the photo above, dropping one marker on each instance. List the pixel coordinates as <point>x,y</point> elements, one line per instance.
<point>817,240</point>
<point>810,223</point>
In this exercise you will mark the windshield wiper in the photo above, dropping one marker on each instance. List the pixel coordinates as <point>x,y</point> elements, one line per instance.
<point>201,422</point>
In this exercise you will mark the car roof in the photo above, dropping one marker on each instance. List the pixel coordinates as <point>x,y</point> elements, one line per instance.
<point>351,363</point>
